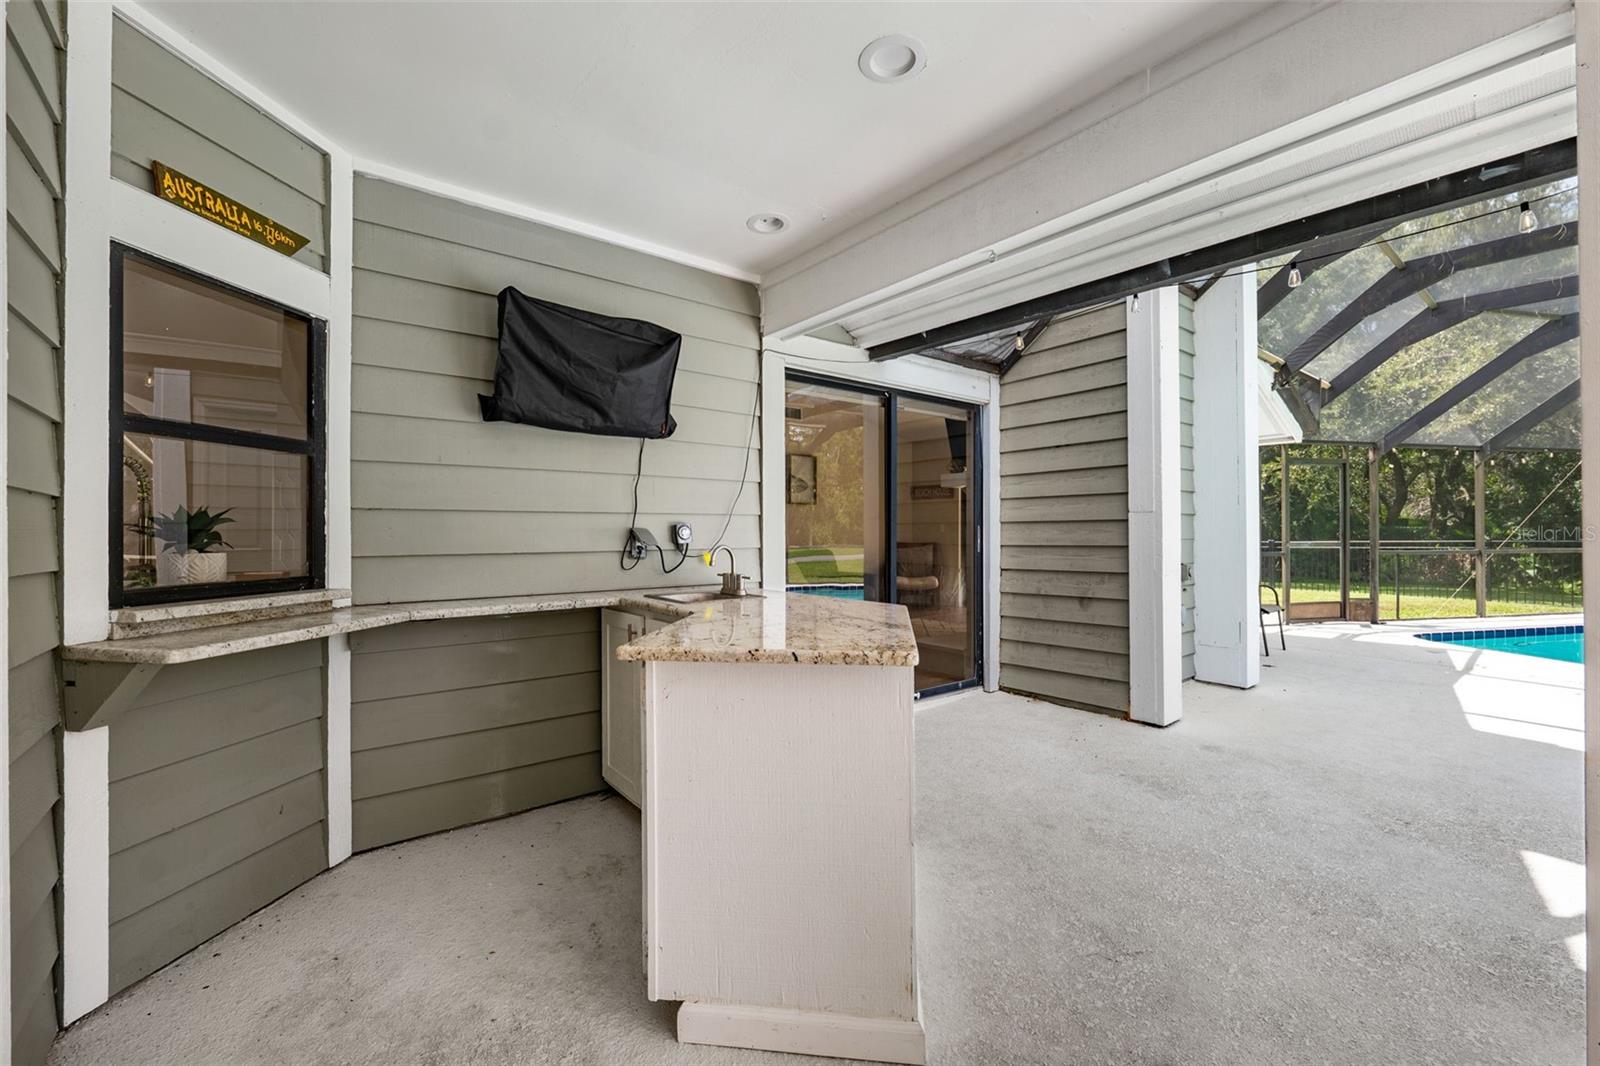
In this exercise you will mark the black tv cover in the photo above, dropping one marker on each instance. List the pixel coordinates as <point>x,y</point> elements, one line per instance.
<point>563,368</point>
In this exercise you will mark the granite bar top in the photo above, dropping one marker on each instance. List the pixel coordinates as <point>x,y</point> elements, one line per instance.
<point>270,631</point>
<point>784,627</point>
<point>774,628</point>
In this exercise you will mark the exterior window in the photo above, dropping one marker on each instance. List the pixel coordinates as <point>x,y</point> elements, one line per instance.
<point>216,430</point>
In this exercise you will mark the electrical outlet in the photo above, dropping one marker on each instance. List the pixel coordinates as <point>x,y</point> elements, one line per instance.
<point>682,534</point>
<point>640,541</point>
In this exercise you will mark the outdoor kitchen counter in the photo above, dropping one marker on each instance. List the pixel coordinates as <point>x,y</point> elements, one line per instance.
<point>785,628</point>
<point>777,794</point>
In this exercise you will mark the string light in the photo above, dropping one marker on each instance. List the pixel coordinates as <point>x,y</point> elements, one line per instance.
<point>1526,219</point>
<point>1019,342</point>
<point>1135,307</point>
<point>1295,277</point>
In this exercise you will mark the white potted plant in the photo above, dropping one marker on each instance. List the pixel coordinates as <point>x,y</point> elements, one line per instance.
<point>190,552</point>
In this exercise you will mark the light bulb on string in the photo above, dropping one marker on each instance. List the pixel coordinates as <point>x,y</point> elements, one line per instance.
<point>1019,342</point>
<point>1295,277</point>
<point>1135,306</point>
<point>1526,219</point>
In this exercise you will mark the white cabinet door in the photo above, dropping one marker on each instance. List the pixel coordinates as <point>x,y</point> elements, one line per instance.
<point>621,690</point>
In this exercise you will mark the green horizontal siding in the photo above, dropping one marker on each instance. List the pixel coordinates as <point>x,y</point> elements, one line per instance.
<point>454,722</point>
<point>447,506</point>
<point>218,800</point>
<point>1064,515</point>
<point>35,60</point>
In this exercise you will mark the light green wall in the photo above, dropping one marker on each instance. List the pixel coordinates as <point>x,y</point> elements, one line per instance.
<point>448,506</point>
<point>218,800</point>
<point>34,103</point>
<point>454,722</point>
<point>1064,515</point>
<point>166,110</point>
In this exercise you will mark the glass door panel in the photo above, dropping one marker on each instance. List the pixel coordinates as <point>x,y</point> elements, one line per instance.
<point>834,455</point>
<point>935,533</point>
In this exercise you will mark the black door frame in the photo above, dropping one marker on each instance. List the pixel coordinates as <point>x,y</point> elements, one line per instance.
<point>890,395</point>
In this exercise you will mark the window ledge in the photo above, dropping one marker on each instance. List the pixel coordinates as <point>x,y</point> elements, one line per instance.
<point>131,622</point>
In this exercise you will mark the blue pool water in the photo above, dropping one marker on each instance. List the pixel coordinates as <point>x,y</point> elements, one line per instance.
<point>837,592</point>
<point>1547,642</point>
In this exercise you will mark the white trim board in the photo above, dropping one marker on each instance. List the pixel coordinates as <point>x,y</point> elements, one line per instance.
<point>1588,14</point>
<point>1227,484</point>
<point>1155,548</point>
<point>5,642</point>
<point>85,871</point>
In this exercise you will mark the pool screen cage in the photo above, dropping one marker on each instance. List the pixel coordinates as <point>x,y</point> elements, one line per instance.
<point>1426,341</point>
<point>1433,367</point>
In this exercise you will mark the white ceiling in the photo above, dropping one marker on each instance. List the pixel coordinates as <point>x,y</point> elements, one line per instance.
<point>672,123</point>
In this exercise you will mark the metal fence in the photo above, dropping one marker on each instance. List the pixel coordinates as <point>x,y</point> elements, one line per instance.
<point>1430,580</point>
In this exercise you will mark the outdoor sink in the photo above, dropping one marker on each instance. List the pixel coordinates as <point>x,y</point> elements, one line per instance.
<point>694,597</point>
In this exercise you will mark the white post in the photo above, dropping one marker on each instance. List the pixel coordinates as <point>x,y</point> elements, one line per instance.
<point>1155,604</point>
<point>774,476</point>
<point>989,420</point>
<point>340,800</point>
<point>85,871</point>
<point>1227,465</point>
<point>1588,34</point>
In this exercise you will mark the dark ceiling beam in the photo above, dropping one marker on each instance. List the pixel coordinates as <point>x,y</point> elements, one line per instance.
<point>1547,336</point>
<point>1417,275</point>
<point>1311,259</point>
<point>1518,429</point>
<point>1443,316</point>
<point>1548,163</point>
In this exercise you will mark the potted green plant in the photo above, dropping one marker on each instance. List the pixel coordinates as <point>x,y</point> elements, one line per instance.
<point>190,542</point>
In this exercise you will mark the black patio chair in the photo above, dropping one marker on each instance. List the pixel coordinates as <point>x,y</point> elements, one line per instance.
<point>1277,610</point>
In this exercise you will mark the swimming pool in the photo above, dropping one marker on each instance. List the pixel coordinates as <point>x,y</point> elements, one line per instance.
<point>837,592</point>
<point>1564,643</point>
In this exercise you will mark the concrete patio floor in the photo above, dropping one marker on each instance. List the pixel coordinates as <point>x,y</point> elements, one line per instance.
<point>1371,858</point>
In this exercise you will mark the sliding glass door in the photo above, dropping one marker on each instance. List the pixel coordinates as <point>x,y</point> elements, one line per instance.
<point>883,504</point>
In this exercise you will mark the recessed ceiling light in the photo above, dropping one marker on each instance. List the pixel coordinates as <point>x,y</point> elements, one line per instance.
<point>893,58</point>
<point>765,222</point>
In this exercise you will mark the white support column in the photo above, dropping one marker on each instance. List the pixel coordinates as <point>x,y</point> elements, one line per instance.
<point>774,476</point>
<point>1155,604</point>
<point>989,421</point>
<point>340,800</point>
<point>1227,473</point>
<point>85,871</point>
<point>1588,36</point>
<point>87,331</point>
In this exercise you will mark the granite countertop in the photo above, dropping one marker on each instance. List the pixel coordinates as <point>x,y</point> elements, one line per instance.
<point>784,627</point>
<point>780,628</point>
<point>210,642</point>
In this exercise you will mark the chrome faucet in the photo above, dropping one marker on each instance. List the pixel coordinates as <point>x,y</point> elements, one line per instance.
<point>732,583</point>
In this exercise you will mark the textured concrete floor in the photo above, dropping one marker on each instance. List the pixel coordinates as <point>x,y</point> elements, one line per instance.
<point>1328,869</point>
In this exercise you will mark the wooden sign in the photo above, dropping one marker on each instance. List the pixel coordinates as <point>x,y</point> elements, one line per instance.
<point>932,492</point>
<point>212,206</point>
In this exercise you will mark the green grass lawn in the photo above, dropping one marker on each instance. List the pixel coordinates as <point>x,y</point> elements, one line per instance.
<point>826,565</point>
<point>1428,602</point>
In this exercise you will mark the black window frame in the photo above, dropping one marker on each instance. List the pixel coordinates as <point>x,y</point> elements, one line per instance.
<point>314,447</point>
<point>889,397</point>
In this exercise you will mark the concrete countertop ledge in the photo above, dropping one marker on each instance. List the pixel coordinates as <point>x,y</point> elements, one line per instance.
<point>783,628</point>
